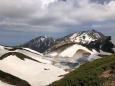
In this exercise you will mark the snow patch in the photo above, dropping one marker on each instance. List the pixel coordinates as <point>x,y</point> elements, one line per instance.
<point>37,74</point>
<point>34,56</point>
<point>69,52</point>
<point>53,54</point>
<point>33,51</point>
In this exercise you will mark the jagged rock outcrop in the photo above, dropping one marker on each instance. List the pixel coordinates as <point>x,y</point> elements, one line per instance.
<point>39,44</point>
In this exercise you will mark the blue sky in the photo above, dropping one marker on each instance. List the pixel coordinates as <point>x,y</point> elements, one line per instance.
<point>23,20</point>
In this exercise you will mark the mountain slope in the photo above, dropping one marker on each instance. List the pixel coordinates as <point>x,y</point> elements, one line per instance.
<point>74,55</point>
<point>39,44</point>
<point>90,39</point>
<point>75,49</point>
<point>100,72</point>
<point>28,66</point>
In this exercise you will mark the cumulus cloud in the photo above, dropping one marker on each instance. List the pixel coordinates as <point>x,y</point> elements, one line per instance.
<point>16,8</point>
<point>53,15</point>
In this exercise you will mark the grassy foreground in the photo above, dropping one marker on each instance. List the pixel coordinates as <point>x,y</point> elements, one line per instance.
<point>100,72</point>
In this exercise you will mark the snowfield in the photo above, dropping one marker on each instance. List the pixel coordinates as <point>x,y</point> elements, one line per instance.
<point>33,51</point>
<point>26,51</point>
<point>69,52</point>
<point>72,50</point>
<point>34,56</point>
<point>2,50</point>
<point>70,56</point>
<point>35,73</point>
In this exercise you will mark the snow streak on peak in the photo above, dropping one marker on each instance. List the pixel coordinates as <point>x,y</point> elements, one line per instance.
<point>42,38</point>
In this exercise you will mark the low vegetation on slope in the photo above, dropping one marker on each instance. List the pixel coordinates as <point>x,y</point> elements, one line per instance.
<point>12,80</point>
<point>19,55</point>
<point>100,72</point>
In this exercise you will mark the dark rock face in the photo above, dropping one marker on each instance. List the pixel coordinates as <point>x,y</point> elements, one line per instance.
<point>107,47</point>
<point>39,44</point>
<point>102,44</point>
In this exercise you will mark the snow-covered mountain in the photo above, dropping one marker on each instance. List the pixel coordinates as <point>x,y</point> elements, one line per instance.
<point>78,48</point>
<point>26,67</point>
<point>39,44</point>
<point>89,39</point>
<point>71,56</point>
<point>74,49</point>
<point>58,56</point>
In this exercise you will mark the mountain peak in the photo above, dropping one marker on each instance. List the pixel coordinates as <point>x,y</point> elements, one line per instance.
<point>40,43</point>
<point>42,38</point>
<point>85,37</point>
<point>90,38</point>
<point>92,30</point>
<point>95,34</point>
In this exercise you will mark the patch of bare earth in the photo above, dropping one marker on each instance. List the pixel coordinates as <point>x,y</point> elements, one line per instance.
<point>110,76</point>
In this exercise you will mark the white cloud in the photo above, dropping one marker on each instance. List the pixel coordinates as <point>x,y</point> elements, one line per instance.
<point>58,16</point>
<point>46,2</point>
<point>17,8</point>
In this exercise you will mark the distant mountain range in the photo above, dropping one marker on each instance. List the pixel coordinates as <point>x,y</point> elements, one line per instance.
<point>73,49</point>
<point>90,39</point>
